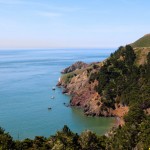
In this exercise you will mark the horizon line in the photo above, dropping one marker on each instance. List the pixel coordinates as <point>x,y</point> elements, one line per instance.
<point>58,48</point>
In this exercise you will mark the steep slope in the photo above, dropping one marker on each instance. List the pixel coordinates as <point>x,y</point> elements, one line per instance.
<point>83,92</point>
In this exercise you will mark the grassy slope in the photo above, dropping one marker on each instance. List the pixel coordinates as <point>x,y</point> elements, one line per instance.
<point>142,42</point>
<point>142,48</point>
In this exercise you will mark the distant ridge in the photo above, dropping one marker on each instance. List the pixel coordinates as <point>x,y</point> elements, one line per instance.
<point>142,42</point>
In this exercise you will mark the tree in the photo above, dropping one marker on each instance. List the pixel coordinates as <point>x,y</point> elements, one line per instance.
<point>135,115</point>
<point>6,141</point>
<point>89,141</point>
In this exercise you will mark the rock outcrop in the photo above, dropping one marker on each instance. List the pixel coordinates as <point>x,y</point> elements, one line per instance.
<point>75,66</point>
<point>83,92</point>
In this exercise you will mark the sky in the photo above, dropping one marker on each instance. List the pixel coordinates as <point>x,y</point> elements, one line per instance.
<point>72,23</point>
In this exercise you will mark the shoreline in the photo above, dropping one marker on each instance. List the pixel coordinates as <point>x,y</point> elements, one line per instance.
<point>118,113</point>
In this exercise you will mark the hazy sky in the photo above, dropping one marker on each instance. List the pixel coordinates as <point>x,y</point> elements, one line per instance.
<point>72,23</point>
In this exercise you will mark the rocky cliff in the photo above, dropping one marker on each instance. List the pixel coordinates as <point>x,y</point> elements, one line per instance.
<point>105,88</point>
<point>83,92</point>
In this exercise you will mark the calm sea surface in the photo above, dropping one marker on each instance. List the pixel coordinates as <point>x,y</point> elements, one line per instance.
<point>26,81</point>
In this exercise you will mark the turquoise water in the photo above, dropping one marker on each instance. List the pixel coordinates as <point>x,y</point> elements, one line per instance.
<point>26,81</point>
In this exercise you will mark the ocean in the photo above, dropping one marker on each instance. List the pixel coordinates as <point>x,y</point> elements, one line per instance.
<point>26,81</point>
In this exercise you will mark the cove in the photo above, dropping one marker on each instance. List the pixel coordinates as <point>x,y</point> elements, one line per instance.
<point>26,81</point>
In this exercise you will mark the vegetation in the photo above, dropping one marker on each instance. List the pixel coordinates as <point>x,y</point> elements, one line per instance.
<point>120,80</point>
<point>132,135</point>
<point>142,42</point>
<point>68,76</point>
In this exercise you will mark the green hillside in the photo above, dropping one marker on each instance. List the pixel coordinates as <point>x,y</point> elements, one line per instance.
<point>141,48</point>
<point>142,42</point>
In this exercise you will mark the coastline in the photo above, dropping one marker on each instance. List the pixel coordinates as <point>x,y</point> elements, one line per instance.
<point>75,82</point>
<point>118,113</point>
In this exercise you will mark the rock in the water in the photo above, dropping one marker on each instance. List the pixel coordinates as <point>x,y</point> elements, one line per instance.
<point>65,91</point>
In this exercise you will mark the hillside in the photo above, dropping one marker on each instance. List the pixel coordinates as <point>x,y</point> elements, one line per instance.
<point>103,89</point>
<point>141,48</point>
<point>142,42</point>
<point>119,87</point>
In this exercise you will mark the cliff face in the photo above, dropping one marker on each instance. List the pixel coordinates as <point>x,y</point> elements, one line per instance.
<point>84,94</point>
